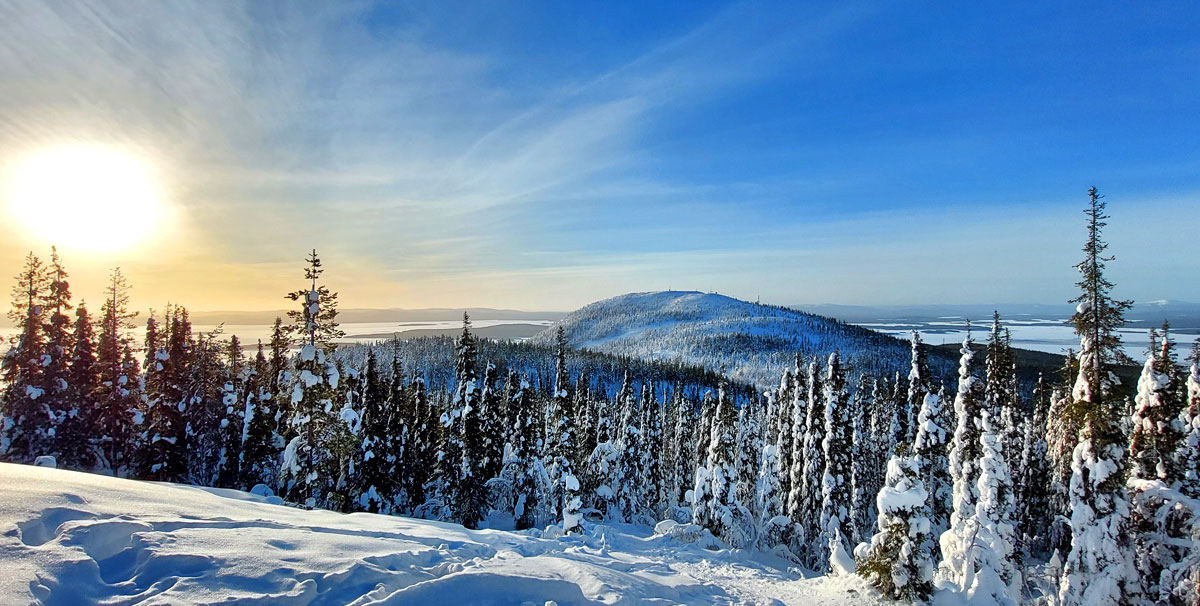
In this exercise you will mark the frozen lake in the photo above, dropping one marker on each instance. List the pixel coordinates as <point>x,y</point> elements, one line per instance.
<point>1039,334</point>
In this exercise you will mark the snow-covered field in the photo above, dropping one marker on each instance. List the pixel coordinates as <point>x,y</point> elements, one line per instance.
<point>73,538</point>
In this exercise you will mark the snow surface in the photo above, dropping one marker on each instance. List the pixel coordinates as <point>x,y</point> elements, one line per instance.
<point>75,538</point>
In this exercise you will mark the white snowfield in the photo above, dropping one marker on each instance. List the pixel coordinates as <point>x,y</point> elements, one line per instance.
<point>76,538</point>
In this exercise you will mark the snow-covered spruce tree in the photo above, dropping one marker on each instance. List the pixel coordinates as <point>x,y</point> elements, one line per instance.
<point>116,405</point>
<point>562,441</point>
<point>76,434</point>
<point>876,457</point>
<point>162,455</point>
<point>205,406</point>
<point>963,462</point>
<point>795,430</point>
<point>585,420</point>
<point>56,370</point>
<point>309,470</point>
<point>491,419</point>
<point>1033,499</point>
<point>813,550</point>
<point>750,446</point>
<point>1000,392</point>
<point>930,446</point>
<point>279,378</point>
<point>1159,401</point>
<point>991,553</point>
<point>28,421</point>
<point>774,528</point>
<point>652,456</point>
<point>629,442</point>
<point>784,422</point>
<point>426,442</point>
<point>402,449</point>
<point>603,465</point>
<point>837,523</point>
<point>1099,571</point>
<point>260,443</point>
<point>233,418</point>
<point>1155,471</point>
<point>463,448</point>
<point>511,492</point>
<point>898,560</point>
<point>377,473</point>
<point>684,470</point>
<point>1062,435</point>
<point>702,436</point>
<point>919,384</point>
<point>1188,453</point>
<point>715,507</point>
<point>861,453</point>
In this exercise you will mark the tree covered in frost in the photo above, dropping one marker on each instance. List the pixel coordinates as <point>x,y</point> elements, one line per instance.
<point>562,442</point>
<point>682,449</point>
<point>1155,469</point>
<point>382,443</point>
<point>1033,497</point>
<point>714,506</point>
<point>930,446</point>
<point>1099,569</point>
<point>1062,435</point>
<point>795,431</point>
<point>629,442</point>
<point>991,553</point>
<point>919,384</point>
<point>898,560</point>
<point>749,453</point>
<point>652,454</point>
<point>814,550</point>
<point>836,522</point>
<point>963,463</point>
<point>862,486</point>
<point>1188,452</point>
<point>309,470</point>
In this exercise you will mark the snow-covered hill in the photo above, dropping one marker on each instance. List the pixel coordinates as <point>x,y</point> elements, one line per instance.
<point>753,342</point>
<point>73,538</point>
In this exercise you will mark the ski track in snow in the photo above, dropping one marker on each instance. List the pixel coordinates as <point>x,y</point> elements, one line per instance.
<point>75,538</point>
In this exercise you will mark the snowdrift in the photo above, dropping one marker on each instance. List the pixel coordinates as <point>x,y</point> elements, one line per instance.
<point>76,538</point>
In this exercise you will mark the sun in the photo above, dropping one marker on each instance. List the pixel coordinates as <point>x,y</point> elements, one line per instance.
<point>87,197</point>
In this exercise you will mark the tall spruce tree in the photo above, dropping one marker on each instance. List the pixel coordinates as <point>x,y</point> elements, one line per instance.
<point>310,469</point>
<point>116,406</point>
<point>963,462</point>
<point>1099,569</point>
<point>56,370</point>
<point>77,434</point>
<point>837,523</point>
<point>28,417</point>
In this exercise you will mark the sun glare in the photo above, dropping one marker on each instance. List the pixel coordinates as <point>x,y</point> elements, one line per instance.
<point>86,197</point>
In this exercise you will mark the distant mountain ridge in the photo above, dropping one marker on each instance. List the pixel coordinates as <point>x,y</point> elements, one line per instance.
<point>755,343</point>
<point>432,314</point>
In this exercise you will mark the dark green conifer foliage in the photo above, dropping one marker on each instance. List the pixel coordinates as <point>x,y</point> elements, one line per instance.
<point>30,420</point>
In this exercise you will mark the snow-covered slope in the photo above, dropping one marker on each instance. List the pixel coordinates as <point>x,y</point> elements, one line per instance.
<point>75,538</point>
<point>754,342</point>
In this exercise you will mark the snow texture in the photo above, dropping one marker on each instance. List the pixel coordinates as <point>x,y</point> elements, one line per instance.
<point>72,538</point>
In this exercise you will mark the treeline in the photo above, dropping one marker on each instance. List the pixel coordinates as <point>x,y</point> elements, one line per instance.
<point>1079,491</point>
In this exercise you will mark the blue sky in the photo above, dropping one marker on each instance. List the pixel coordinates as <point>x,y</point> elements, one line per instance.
<point>544,155</point>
